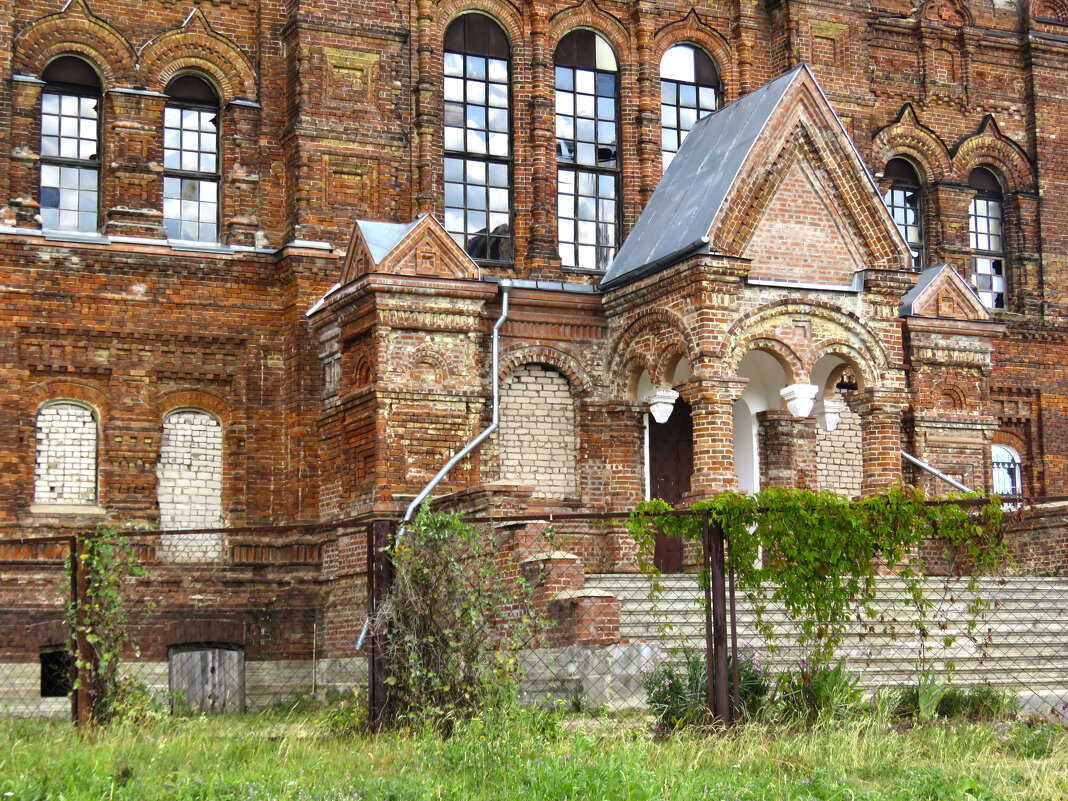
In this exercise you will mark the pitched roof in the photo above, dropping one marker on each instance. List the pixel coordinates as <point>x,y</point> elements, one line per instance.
<point>382,237</point>
<point>673,225</point>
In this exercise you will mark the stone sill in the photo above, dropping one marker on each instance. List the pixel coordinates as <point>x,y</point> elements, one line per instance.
<point>68,509</point>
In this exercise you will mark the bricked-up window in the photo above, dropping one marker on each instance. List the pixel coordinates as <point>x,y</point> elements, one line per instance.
<point>904,201</point>
<point>66,448</point>
<point>1007,474</point>
<point>190,471</point>
<point>987,239</point>
<point>478,149</point>
<point>587,150</point>
<point>70,146</point>
<point>689,90</point>
<point>191,160</point>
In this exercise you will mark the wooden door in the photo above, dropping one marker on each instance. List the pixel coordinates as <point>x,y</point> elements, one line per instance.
<point>208,679</point>
<point>670,467</point>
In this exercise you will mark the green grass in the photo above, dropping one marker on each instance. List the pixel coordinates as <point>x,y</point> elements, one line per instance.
<point>528,755</point>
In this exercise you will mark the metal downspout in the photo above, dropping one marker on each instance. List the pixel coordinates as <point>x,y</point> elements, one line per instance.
<point>413,507</point>
<point>934,471</point>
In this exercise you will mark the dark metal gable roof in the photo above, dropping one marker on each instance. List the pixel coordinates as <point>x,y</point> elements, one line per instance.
<point>676,222</point>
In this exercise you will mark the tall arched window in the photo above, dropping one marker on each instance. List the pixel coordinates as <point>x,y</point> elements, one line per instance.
<point>191,160</point>
<point>478,148</point>
<point>985,216</point>
<point>587,150</point>
<point>70,146</point>
<point>1007,474</point>
<point>65,454</point>
<point>689,89</point>
<point>190,471</point>
<point>904,201</point>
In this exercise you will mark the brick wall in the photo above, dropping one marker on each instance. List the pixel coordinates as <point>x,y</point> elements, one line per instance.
<point>537,433</point>
<point>65,455</point>
<point>838,454</point>
<point>190,471</point>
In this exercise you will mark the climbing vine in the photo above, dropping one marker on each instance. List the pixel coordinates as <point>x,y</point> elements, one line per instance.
<point>817,555</point>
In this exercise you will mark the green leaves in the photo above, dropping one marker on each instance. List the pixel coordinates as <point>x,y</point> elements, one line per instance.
<point>817,554</point>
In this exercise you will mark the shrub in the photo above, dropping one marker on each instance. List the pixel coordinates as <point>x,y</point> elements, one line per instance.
<point>822,693</point>
<point>677,692</point>
<point>454,618</point>
<point>978,702</point>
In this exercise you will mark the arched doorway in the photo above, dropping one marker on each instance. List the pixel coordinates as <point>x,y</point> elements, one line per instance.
<point>670,468</point>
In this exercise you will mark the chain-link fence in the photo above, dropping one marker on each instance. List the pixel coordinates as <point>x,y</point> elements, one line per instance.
<point>219,621</point>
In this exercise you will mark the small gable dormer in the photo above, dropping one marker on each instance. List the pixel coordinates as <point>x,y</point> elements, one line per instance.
<point>941,292</point>
<point>419,248</point>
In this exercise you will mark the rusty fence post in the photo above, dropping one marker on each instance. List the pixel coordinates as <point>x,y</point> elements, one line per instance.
<point>710,668</point>
<point>719,618</point>
<point>736,703</point>
<point>379,579</point>
<point>85,656</point>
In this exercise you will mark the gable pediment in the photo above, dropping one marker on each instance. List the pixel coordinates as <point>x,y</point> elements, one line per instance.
<point>421,248</point>
<point>941,292</point>
<point>803,233</point>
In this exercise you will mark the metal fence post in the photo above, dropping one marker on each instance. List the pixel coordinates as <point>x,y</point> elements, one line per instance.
<point>379,579</point>
<point>710,671</point>
<point>85,657</point>
<point>719,618</point>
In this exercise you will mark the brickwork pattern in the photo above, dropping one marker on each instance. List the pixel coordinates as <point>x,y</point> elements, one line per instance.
<point>66,441</point>
<point>190,471</point>
<point>838,456</point>
<point>537,433</point>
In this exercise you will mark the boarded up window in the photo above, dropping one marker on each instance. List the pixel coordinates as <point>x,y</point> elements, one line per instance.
<point>207,678</point>
<point>538,446</point>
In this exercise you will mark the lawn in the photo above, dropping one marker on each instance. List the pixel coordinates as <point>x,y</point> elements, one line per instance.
<point>519,754</point>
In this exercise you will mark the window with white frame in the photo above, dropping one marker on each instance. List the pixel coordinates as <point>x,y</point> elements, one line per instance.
<point>70,146</point>
<point>587,151</point>
<point>1006,464</point>
<point>985,221</point>
<point>904,201</point>
<point>689,90</point>
<point>478,149</point>
<point>191,160</point>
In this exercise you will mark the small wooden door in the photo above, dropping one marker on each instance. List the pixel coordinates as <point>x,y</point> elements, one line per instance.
<point>670,467</point>
<point>209,679</point>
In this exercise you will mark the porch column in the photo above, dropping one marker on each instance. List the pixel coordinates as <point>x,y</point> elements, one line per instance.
<point>712,401</point>
<point>788,450</point>
<point>880,425</point>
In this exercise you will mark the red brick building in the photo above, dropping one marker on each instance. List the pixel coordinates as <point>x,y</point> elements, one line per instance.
<point>198,331</point>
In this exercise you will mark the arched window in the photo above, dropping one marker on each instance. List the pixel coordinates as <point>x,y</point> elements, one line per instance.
<point>65,455</point>
<point>985,216</point>
<point>191,160</point>
<point>70,146</point>
<point>689,89</point>
<point>587,150</point>
<point>478,148</point>
<point>904,201</point>
<point>1007,475</point>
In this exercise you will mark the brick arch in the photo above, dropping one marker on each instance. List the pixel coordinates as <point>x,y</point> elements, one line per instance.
<point>195,46</point>
<point>564,363</point>
<point>948,12</point>
<point>847,353</point>
<point>59,389</point>
<point>950,396</point>
<point>502,12</point>
<point>588,14</point>
<point>1049,9</point>
<point>666,362</point>
<point>858,338</point>
<point>693,30</point>
<point>212,630</point>
<point>178,399</point>
<point>791,363</point>
<point>76,31</point>
<point>989,147</point>
<point>907,137</point>
<point>621,351</point>
<point>421,357</point>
